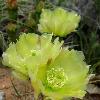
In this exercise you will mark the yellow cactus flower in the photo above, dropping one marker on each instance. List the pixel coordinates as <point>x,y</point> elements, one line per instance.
<point>60,22</point>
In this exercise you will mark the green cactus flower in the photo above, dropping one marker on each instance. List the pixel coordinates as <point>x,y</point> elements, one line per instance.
<point>66,76</point>
<point>39,47</point>
<point>60,22</point>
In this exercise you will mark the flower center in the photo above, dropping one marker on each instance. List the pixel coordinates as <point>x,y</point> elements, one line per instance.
<point>56,78</point>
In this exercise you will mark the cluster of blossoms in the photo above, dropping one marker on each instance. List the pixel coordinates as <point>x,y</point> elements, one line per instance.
<point>55,71</point>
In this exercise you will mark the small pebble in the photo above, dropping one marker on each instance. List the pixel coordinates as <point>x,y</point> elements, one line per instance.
<point>2,95</point>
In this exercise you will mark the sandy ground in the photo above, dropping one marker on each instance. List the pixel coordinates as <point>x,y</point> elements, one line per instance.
<point>13,88</point>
